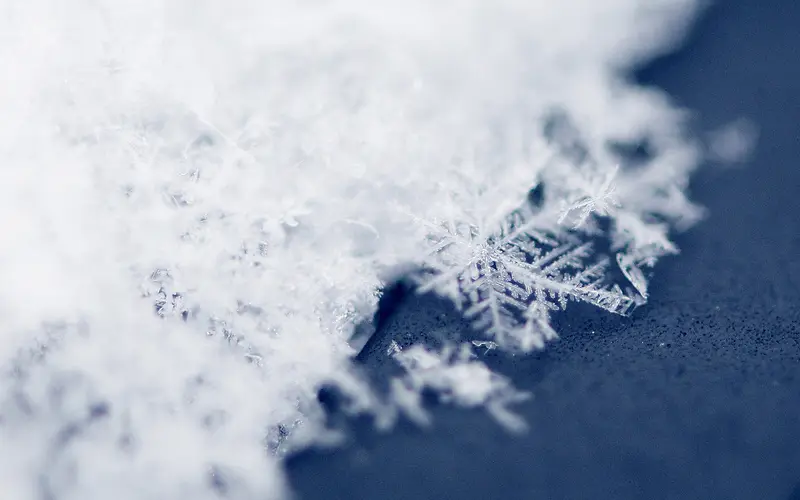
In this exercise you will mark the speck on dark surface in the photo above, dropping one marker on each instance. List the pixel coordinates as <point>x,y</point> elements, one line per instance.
<point>697,395</point>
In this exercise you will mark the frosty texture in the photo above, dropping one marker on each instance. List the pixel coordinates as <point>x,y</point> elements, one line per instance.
<point>200,200</point>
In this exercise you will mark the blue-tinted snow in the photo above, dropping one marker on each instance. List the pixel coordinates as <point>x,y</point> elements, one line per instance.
<point>697,395</point>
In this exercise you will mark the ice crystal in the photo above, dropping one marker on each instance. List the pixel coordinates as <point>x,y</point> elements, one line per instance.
<point>457,377</point>
<point>511,279</point>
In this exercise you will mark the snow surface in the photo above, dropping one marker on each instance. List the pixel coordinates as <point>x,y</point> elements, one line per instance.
<point>201,200</point>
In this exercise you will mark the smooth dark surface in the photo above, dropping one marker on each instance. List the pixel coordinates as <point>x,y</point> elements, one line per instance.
<point>697,396</point>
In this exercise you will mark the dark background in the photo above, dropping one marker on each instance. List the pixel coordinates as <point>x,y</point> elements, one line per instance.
<point>697,395</point>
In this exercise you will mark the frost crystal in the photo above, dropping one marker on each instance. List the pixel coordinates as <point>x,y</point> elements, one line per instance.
<point>457,378</point>
<point>513,277</point>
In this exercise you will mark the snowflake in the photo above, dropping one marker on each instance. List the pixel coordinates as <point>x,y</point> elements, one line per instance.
<point>599,199</point>
<point>509,280</point>
<point>458,378</point>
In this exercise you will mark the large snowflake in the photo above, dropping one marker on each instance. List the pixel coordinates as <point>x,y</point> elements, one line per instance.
<point>509,279</point>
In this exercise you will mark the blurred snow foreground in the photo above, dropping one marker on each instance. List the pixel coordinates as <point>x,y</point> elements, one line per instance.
<point>200,200</point>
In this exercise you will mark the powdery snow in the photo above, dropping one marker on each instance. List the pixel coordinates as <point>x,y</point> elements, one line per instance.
<point>201,200</point>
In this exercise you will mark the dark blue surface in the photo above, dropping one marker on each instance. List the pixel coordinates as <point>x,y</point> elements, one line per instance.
<point>697,396</point>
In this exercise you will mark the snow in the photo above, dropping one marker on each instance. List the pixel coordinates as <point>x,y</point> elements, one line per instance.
<point>200,201</point>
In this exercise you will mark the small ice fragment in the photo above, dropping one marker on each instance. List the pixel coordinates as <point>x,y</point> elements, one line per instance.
<point>487,344</point>
<point>394,349</point>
